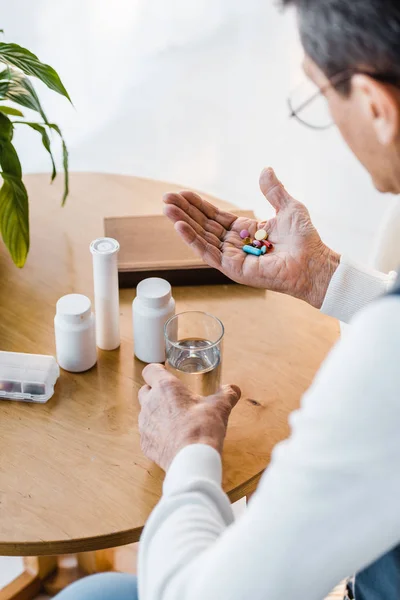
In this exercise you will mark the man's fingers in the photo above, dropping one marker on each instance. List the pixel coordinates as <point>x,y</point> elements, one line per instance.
<point>208,252</point>
<point>212,212</point>
<point>202,211</point>
<point>195,213</point>
<point>230,393</point>
<point>175,214</point>
<point>154,374</point>
<point>273,189</point>
<point>143,393</point>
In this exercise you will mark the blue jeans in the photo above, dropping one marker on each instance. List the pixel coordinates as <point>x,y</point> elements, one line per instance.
<point>379,581</point>
<point>104,586</point>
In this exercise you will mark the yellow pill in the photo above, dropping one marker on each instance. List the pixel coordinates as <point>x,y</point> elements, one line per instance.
<point>261,234</point>
<point>247,241</point>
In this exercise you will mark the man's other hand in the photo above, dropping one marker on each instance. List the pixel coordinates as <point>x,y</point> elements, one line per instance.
<point>171,417</point>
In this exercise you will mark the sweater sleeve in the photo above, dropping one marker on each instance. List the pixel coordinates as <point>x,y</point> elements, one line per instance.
<point>326,506</point>
<point>352,287</point>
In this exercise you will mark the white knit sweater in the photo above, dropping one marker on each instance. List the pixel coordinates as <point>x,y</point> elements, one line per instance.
<point>327,504</point>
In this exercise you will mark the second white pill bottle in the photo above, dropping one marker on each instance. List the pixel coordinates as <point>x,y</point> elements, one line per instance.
<point>151,308</point>
<point>75,333</point>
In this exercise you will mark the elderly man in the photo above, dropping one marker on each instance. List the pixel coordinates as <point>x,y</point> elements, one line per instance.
<point>327,505</point>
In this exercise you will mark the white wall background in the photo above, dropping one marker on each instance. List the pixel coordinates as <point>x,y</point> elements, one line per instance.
<point>192,91</point>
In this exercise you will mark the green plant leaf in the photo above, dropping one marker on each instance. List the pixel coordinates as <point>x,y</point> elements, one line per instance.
<point>14,209</point>
<point>9,160</point>
<point>65,161</point>
<point>45,140</point>
<point>8,110</point>
<point>12,54</point>
<point>6,129</point>
<point>14,218</point>
<point>16,87</point>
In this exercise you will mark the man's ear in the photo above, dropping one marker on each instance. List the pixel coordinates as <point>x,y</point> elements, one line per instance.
<point>380,105</point>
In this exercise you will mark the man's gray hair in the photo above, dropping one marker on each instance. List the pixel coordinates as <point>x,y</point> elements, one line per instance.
<point>340,35</point>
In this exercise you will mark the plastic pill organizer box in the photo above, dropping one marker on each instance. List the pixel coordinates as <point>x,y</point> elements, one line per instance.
<point>27,377</point>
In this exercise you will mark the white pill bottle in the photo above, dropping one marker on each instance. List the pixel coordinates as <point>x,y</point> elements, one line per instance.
<point>75,332</point>
<point>151,308</point>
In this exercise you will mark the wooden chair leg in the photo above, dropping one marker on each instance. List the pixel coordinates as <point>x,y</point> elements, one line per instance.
<point>27,585</point>
<point>338,592</point>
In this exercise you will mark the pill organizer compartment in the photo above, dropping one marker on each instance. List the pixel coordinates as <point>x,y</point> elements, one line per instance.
<point>27,377</point>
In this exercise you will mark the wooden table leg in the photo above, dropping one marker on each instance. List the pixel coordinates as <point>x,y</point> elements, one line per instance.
<point>122,559</point>
<point>66,573</point>
<point>54,573</point>
<point>125,558</point>
<point>27,585</point>
<point>96,562</point>
<point>72,567</point>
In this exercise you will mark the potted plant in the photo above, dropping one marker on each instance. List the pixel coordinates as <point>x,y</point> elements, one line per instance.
<point>17,65</point>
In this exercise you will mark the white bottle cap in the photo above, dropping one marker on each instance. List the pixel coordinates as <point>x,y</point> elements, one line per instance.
<point>154,292</point>
<point>104,246</point>
<point>74,308</point>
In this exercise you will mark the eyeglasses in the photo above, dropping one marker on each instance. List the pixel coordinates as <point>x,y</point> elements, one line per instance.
<point>308,104</point>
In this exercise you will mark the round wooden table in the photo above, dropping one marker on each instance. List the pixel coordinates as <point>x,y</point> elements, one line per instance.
<point>72,475</point>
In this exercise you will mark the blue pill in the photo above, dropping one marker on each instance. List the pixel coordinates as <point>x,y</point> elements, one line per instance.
<point>264,250</point>
<point>252,250</point>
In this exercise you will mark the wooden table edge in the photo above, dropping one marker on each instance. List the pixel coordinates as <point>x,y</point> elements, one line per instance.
<point>101,542</point>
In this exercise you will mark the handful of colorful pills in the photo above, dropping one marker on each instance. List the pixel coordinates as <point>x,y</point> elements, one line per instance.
<point>260,245</point>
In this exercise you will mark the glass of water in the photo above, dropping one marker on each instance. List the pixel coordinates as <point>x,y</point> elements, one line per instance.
<point>193,344</point>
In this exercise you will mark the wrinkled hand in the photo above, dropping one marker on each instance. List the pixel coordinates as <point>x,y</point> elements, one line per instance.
<point>171,417</point>
<point>300,265</point>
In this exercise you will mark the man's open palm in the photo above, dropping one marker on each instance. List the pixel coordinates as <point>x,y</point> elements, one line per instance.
<point>300,264</point>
